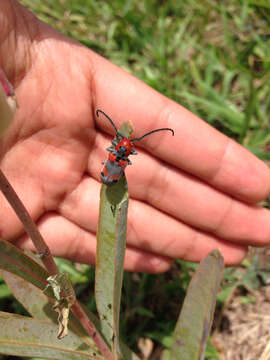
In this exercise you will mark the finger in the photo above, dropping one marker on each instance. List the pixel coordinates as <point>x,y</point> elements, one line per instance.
<point>199,205</point>
<point>67,240</point>
<point>192,201</point>
<point>166,236</point>
<point>196,147</point>
<point>14,18</point>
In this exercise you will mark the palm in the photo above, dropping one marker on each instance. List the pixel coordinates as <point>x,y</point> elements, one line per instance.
<point>53,131</point>
<point>48,148</point>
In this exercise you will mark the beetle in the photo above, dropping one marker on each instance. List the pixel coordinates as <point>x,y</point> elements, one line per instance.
<point>121,148</point>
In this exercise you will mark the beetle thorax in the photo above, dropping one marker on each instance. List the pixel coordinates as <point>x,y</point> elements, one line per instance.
<point>124,147</point>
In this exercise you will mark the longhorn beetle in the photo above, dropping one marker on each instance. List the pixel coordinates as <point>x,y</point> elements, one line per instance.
<point>119,152</point>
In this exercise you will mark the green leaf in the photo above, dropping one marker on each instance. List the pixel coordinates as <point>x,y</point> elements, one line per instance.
<point>225,293</point>
<point>259,137</point>
<point>229,117</point>
<point>8,103</point>
<point>110,257</point>
<point>261,3</point>
<point>111,248</point>
<point>4,291</point>
<point>25,336</point>
<point>32,298</point>
<point>144,312</point>
<point>264,155</point>
<point>14,260</point>
<point>194,323</point>
<point>40,306</point>
<point>164,338</point>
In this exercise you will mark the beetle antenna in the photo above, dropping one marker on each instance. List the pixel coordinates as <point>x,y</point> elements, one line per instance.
<point>151,132</point>
<point>117,133</point>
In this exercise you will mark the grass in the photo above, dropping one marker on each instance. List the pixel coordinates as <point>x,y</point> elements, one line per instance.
<point>211,57</point>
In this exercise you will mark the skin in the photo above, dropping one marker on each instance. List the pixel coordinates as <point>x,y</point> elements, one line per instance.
<point>198,189</point>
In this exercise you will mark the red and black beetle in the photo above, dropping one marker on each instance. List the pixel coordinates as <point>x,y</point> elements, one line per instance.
<point>119,152</point>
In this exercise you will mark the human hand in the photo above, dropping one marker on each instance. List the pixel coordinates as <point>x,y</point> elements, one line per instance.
<point>189,193</point>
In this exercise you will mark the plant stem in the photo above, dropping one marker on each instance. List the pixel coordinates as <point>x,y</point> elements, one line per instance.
<point>47,259</point>
<point>91,330</point>
<point>29,225</point>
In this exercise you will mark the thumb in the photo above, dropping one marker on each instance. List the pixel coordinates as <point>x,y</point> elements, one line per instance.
<point>18,30</point>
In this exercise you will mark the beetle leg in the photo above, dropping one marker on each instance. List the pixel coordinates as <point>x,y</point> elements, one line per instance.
<point>111,149</point>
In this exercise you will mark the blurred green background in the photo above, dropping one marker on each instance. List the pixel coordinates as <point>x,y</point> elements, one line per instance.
<point>213,57</point>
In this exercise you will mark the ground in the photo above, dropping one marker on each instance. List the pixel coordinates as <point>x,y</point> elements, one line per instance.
<point>244,329</point>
